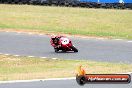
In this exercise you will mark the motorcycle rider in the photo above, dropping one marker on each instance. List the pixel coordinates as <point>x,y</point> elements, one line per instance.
<point>55,41</point>
<point>62,43</point>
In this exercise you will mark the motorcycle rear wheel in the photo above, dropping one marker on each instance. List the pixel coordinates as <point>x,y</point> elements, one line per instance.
<point>56,50</point>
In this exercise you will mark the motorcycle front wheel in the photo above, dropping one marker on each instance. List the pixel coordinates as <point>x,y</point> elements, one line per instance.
<point>74,49</point>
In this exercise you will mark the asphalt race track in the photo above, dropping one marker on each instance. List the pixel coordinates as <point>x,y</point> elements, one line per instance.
<point>89,49</point>
<point>61,84</point>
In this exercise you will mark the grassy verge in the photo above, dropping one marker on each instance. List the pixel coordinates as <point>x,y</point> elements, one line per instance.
<point>19,68</point>
<point>82,21</point>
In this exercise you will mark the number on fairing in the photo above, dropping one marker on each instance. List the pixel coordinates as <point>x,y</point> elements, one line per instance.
<point>65,40</point>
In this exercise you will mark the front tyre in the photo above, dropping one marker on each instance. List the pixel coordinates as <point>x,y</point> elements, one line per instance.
<point>74,49</point>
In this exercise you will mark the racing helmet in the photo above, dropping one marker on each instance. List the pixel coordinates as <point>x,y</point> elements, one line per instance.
<point>53,36</point>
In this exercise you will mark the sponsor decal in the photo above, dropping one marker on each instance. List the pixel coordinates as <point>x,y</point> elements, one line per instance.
<point>83,78</point>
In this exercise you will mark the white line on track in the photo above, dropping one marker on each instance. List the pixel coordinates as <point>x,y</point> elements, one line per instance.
<point>126,73</point>
<point>19,32</point>
<point>31,56</point>
<point>43,57</point>
<point>30,33</point>
<point>28,56</point>
<point>118,39</point>
<point>16,55</point>
<point>54,58</point>
<point>6,54</point>
<point>41,34</point>
<point>36,80</point>
<point>129,41</point>
<point>100,38</point>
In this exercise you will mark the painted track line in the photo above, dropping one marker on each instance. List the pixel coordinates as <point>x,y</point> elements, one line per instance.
<point>118,39</point>
<point>54,58</point>
<point>7,54</point>
<point>30,33</point>
<point>43,57</point>
<point>6,31</point>
<point>36,80</point>
<point>16,55</point>
<point>30,56</point>
<point>19,32</point>
<point>129,41</point>
<point>41,34</point>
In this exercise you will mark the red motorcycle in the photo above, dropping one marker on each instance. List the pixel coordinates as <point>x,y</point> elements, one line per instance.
<point>65,45</point>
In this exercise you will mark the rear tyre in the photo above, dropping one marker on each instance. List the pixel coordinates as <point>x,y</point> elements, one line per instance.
<point>56,50</point>
<point>74,49</point>
<point>63,50</point>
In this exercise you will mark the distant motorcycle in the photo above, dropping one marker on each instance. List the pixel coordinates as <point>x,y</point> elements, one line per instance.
<point>65,45</point>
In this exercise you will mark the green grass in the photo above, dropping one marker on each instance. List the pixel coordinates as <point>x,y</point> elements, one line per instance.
<point>19,68</point>
<point>82,21</point>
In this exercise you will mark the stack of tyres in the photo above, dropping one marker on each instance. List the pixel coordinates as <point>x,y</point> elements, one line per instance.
<point>45,2</point>
<point>120,4</point>
<point>128,3</point>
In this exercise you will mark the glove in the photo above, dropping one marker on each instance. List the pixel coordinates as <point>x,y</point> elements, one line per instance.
<point>58,46</point>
